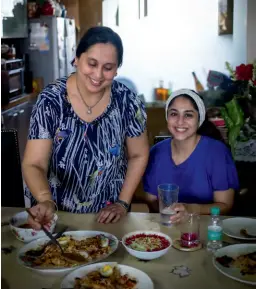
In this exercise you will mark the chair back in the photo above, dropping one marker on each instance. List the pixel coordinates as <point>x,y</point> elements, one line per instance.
<point>159,138</point>
<point>12,190</point>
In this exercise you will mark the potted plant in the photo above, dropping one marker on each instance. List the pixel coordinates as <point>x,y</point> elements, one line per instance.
<point>240,113</point>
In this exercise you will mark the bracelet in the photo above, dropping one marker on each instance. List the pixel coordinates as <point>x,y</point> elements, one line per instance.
<point>53,203</point>
<point>123,204</point>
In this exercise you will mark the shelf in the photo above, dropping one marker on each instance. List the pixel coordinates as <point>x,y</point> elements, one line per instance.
<point>19,100</point>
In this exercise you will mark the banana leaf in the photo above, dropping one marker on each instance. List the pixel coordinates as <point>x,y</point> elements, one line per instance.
<point>235,112</point>
<point>228,121</point>
<point>232,137</point>
<point>234,120</point>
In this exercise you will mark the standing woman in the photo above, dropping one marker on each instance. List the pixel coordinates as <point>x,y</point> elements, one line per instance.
<point>87,147</point>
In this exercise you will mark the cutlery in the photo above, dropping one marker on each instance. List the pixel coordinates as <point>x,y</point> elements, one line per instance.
<point>48,234</point>
<point>37,253</point>
<point>70,256</point>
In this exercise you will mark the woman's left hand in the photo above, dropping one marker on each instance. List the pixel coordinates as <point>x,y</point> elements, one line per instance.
<point>180,210</point>
<point>111,214</point>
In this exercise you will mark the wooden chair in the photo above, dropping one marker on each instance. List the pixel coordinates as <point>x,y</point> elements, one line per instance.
<point>159,138</point>
<point>12,191</point>
<point>245,198</point>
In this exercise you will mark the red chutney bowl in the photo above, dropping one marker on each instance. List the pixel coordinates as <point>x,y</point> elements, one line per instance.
<point>133,241</point>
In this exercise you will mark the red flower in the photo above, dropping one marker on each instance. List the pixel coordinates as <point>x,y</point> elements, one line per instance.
<point>244,72</point>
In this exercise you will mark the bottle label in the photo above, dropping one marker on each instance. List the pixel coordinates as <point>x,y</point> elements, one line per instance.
<point>214,233</point>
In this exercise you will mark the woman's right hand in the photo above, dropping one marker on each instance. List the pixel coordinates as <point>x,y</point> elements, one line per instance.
<point>43,213</point>
<point>181,211</point>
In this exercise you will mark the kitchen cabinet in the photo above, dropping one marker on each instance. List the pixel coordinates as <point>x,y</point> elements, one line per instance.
<point>18,118</point>
<point>72,7</point>
<point>156,122</point>
<point>156,125</point>
<point>14,19</point>
<point>90,13</point>
<point>87,13</point>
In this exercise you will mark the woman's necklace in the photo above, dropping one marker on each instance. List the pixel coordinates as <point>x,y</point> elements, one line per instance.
<point>89,108</point>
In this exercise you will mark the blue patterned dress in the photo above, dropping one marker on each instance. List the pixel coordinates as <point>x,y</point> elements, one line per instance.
<point>88,162</point>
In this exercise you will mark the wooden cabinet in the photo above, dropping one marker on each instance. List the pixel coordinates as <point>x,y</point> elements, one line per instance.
<point>156,123</point>
<point>90,13</point>
<point>87,13</point>
<point>18,118</point>
<point>72,7</point>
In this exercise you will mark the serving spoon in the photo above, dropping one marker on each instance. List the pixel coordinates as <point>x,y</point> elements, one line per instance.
<point>74,257</point>
<point>39,252</point>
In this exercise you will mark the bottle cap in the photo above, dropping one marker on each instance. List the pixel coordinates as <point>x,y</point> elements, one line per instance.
<point>215,211</point>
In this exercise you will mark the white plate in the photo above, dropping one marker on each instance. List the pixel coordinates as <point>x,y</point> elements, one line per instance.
<point>78,235</point>
<point>233,226</point>
<point>144,282</point>
<point>234,251</point>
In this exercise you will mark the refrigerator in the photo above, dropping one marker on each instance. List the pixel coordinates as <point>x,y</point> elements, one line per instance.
<point>51,47</point>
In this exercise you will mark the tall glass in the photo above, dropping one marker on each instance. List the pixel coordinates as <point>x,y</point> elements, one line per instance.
<point>167,196</point>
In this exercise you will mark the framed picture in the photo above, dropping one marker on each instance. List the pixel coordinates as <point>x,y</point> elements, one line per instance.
<point>225,16</point>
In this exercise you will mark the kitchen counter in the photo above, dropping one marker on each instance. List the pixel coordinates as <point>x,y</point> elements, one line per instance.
<point>19,100</point>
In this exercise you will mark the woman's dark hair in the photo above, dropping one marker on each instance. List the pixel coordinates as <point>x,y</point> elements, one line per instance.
<point>100,34</point>
<point>207,128</point>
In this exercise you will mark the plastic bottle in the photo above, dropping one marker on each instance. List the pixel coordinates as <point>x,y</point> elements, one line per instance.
<point>214,232</point>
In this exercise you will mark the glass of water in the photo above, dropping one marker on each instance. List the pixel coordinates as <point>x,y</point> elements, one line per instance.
<point>167,196</point>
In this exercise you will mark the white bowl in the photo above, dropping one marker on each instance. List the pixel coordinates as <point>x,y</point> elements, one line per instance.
<point>25,234</point>
<point>146,255</point>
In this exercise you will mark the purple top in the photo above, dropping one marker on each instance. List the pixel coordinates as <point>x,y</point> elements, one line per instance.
<point>209,168</point>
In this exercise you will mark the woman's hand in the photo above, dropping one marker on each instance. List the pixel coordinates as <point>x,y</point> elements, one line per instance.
<point>43,213</point>
<point>181,210</point>
<point>111,214</point>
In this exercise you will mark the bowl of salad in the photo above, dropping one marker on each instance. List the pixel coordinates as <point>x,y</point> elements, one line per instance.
<point>146,245</point>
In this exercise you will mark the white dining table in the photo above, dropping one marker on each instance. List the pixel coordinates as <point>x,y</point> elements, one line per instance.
<point>199,263</point>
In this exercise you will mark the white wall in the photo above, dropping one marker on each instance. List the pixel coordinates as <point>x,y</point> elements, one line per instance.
<point>251,31</point>
<point>176,38</point>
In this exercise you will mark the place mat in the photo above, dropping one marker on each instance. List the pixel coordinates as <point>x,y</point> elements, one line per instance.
<point>177,245</point>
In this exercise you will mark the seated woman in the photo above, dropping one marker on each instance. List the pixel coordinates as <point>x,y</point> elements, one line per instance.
<point>201,166</point>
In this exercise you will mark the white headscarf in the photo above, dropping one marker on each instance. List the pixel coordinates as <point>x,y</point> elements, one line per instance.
<point>194,96</point>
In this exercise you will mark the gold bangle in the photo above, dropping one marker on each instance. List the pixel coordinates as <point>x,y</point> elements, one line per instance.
<point>53,203</point>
